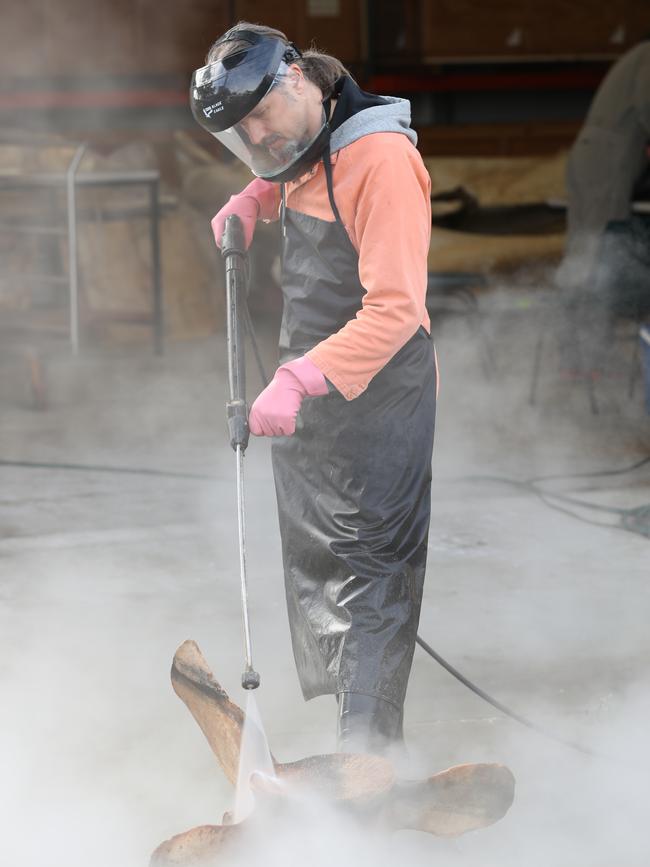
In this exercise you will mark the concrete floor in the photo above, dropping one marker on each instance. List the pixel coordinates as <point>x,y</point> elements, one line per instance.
<point>102,575</point>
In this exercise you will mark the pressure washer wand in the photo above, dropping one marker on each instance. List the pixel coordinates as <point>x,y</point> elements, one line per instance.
<point>233,250</point>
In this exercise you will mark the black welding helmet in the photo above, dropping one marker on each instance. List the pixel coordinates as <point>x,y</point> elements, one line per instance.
<point>224,93</point>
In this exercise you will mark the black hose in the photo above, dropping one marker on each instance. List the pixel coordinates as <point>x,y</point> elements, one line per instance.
<point>524,721</point>
<point>635,519</point>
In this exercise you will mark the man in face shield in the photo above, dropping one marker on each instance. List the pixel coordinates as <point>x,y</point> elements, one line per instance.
<point>255,99</point>
<point>351,407</point>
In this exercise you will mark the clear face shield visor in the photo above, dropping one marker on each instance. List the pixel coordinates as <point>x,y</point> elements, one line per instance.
<point>273,137</point>
<point>248,103</point>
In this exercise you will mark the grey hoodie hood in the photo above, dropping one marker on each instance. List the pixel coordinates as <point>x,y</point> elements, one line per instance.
<point>394,116</point>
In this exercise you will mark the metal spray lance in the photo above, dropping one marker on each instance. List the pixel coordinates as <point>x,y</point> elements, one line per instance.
<point>233,250</point>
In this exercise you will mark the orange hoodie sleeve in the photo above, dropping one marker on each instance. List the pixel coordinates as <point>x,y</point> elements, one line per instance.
<point>382,191</point>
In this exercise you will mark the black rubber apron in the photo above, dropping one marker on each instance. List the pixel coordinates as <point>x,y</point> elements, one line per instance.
<point>353,483</point>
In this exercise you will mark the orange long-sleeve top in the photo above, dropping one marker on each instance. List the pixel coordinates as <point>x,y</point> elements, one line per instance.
<point>382,191</point>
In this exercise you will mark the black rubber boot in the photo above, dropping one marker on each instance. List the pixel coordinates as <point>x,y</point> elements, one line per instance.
<point>368,724</point>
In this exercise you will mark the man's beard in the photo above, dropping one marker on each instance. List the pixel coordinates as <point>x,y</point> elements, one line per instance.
<point>285,151</point>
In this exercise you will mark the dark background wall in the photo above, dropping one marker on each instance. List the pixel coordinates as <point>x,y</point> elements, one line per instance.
<point>126,37</point>
<point>504,76</point>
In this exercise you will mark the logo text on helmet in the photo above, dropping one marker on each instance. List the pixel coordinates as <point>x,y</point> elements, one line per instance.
<point>209,110</point>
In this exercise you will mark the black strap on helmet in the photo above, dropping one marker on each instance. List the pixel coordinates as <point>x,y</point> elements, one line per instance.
<point>253,38</point>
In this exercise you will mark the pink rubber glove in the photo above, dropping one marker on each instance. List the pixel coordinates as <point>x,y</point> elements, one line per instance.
<point>257,201</point>
<point>274,412</point>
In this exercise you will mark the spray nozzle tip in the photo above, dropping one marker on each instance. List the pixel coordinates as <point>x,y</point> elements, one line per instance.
<point>250,679</point>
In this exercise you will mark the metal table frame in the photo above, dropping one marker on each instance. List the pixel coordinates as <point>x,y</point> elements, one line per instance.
<point>71,180</point>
